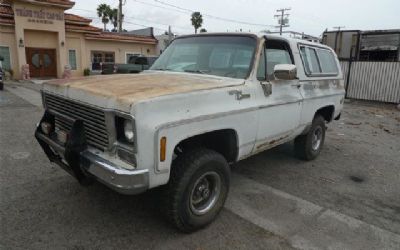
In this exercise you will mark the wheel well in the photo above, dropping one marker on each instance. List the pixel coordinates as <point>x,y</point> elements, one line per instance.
<point>222,141</point>
<point>326,112</point>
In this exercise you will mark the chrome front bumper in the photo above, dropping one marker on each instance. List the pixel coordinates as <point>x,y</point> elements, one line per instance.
<point>86,164</point>
<point>121,180</point>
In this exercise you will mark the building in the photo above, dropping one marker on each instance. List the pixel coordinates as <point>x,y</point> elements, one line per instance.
<point>41,34</point>
<point>371,45</point>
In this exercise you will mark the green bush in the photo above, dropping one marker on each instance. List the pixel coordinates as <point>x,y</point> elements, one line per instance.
<point>86,72</point>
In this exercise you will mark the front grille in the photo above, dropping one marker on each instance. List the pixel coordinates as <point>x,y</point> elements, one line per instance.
<point>93,119</point>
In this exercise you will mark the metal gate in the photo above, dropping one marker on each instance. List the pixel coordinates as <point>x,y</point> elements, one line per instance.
<point>374,81</point>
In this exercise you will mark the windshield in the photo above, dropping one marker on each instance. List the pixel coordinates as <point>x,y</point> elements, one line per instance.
<point>229,56</point>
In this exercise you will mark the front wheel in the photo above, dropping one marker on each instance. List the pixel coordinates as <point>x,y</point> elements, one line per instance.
<point>308,146</point>
<point>197,190</point>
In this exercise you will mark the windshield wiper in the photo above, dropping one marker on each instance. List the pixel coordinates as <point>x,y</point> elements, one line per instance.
<point>196,71</point>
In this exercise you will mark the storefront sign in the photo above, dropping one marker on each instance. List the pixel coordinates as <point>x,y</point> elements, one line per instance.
<point>40,16</point>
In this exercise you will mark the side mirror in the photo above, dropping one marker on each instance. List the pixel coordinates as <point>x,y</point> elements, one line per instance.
<point>285,72</point>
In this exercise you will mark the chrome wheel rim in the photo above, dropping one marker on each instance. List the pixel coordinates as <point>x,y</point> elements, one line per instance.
<point>205,193</point>
<point>316,138</point>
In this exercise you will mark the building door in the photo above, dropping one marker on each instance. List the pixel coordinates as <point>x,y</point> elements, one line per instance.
<point>42,62</point>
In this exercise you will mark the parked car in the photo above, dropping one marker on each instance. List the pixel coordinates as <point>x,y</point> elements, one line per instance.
<point>209,101</point>
<point>135,64</point>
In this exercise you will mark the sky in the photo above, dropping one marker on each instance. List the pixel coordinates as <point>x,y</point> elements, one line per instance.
<point>309,16</point>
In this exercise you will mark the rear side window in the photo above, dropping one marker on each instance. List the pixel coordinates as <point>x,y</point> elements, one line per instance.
<point>328,62</point>
<point>310,60</point>
<point>318,61</point>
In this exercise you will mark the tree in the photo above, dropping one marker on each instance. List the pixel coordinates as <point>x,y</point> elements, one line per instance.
<point>197,20</point>
<point>203,30</point>
<point>114,19</point>
<point>104,12</point>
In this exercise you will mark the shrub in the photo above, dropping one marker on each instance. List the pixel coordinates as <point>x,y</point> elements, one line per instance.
<point>86,72</point>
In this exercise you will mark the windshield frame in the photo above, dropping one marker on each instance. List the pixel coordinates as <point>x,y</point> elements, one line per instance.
<point>249,35</point>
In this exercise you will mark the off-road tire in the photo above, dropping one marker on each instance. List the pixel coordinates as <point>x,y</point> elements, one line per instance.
<point>186,170</point>
<point>303,144</point>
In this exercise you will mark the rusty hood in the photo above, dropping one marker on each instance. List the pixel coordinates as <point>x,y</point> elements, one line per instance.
<point>128,89</point>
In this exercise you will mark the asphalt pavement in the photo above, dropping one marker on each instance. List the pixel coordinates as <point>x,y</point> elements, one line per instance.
<point>348,198</point>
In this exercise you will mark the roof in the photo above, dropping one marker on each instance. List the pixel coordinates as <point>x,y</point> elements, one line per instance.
<point>6,10</point>
<point>81,28</point>
<point>6,21</point>
<point>62,3</point>
<point>6,15</point>
<point>389,31</point>
<point>72,18</point>
<point>122,37</point>
<point>75,23</point>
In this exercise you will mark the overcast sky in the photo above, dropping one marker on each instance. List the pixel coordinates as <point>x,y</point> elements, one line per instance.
<point>308,16</point>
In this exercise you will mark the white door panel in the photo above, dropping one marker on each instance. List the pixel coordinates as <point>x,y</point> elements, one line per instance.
<point>279,114</point>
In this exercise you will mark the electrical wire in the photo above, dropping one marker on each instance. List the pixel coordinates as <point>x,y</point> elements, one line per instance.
<point>189,11</point>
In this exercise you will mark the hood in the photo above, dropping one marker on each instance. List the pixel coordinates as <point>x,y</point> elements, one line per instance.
<point>129,89</point>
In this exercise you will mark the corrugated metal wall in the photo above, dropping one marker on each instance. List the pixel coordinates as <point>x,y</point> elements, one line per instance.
<point>374,81</point>
<point>345,70</point>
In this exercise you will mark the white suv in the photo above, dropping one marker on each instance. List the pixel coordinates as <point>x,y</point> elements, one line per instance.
<point>210,100</point>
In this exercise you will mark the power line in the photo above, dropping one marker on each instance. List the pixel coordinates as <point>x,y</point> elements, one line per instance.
<point>139,19</point>
<point>189,11</point>
<point>283,19</point>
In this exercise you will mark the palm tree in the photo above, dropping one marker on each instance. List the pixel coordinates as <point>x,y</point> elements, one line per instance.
<point>197,20</point>
<point>104,12</point>
<point>114,18</point>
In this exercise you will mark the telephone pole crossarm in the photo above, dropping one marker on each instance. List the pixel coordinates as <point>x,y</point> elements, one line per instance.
<point>283,19</point>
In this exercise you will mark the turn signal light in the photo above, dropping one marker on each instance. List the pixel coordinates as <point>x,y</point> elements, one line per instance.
<point>163,148</point>
<point>46,127</point>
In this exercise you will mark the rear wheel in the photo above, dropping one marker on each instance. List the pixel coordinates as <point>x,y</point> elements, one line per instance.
<point>308,146</point>
<point>197,190</point>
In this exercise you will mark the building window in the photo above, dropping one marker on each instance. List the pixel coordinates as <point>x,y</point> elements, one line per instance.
<point>5,55</point>
<point>100,57</point>
<point>72,59</point>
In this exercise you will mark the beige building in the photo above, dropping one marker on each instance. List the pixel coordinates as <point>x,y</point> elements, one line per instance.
<point>41,34</point>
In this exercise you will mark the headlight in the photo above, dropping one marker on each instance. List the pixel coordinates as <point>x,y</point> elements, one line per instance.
<point>128,131</point>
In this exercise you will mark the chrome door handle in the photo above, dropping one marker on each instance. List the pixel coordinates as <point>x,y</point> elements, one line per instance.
<point>239,94</point>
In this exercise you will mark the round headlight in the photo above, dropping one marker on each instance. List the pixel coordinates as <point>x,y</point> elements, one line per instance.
<point>128,131</point>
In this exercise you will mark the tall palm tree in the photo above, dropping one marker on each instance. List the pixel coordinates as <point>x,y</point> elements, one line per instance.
<point>197,20</point>
<point>104,12</point>
<point>114,18</point>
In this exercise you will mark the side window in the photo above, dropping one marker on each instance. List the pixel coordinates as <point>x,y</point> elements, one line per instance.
<point>328,62</point>
<point>261,76</point>
<point>276,53</point>
<point>310,60</point>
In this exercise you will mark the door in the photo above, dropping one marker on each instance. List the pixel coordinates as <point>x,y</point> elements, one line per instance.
<point>42,62</point>
<point>280,106</point>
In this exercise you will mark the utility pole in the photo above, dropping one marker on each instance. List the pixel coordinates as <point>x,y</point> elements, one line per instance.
<point>120,16</point>
<point>283,19</point>
<point>169,35</point>
<point>338,28</point>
